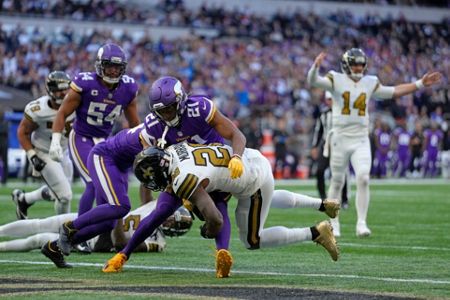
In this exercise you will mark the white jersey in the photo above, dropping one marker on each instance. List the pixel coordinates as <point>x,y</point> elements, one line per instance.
<point>350,99</point>
<point>39,112</point>
<point>192,163</point>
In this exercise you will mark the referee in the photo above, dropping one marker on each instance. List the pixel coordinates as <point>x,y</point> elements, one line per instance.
<point>321,128</point>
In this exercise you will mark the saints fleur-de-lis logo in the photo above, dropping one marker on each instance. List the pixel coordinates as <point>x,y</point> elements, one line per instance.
<point>147,172</point>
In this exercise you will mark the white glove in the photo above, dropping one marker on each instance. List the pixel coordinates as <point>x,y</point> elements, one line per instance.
<point>56,152</point>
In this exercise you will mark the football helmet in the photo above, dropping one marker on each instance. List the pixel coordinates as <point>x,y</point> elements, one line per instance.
<point>57,81</point>
<point>178,223</point>
<point>151,167</point>
<point>110,55</point>
<point>354,56</point>
<point>167,100</point>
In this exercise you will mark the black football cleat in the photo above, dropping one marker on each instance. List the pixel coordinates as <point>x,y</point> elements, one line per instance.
<point>18,197</point>
<point>54,254</point>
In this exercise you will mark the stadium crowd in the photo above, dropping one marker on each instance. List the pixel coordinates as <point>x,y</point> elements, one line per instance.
<point>257,66</point>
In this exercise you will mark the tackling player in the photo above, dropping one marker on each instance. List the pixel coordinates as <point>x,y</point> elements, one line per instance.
<point>349,138</point>
<point>178,117</point>
<point>34,134</point>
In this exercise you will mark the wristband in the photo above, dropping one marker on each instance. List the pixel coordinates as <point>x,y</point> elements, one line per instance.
<point>419,84</point>
<point>31,153</point>
<point>236,155</point>
<point>56,137</point>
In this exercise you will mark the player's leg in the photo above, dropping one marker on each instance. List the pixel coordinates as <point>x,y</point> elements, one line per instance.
<point>112,199</point>
<point>23,228</point>
<point>166,205</point>
<point>287,199</point>
<point>361,163</point>
<point>79,148</point>
<point>58,184</point>
<point>339,160</point>
<point>27,244</point>
<point>322,165</point>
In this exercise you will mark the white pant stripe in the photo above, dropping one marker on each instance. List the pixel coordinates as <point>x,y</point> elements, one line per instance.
<point>76,158</point>
<point>103,180</point>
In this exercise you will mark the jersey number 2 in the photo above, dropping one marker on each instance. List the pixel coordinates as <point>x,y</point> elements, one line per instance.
<point>359,104</point>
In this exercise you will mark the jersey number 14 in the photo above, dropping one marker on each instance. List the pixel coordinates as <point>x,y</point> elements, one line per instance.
<point>359,104</point>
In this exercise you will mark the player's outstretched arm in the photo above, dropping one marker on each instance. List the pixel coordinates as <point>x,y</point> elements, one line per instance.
<point>427,80</point>
<point>229,131</point>
<point>314,79</point>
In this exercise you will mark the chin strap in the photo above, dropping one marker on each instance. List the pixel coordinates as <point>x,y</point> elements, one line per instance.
<point>162,141</point>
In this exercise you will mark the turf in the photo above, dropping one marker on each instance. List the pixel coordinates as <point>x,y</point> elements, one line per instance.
<point>408,255</point>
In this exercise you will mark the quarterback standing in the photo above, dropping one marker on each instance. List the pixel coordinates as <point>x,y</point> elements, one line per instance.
<point>348,141</point>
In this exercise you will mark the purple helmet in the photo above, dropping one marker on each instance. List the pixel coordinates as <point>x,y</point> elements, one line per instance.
<point>110,55</point>
<point>167,99</point>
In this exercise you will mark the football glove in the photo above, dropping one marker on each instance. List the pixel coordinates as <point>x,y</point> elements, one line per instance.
<point>56,152</point>
<point>203,232</point>
<point>37,162</point>
<point>235,166</point>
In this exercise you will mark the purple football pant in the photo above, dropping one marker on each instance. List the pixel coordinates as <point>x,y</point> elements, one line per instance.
<point>111,194</point>
<point>79,149</point>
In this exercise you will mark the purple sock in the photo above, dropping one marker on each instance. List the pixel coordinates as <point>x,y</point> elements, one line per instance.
<point>104,212</point>
<point>91,231</point>
<point>167,204</point>
<point>87,199</point>
<point>223,238</point>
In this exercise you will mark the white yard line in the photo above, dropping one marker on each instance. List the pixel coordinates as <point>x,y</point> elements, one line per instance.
<point>130,266</point>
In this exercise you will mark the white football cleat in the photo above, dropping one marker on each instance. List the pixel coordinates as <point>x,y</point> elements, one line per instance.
<point>362,230</point>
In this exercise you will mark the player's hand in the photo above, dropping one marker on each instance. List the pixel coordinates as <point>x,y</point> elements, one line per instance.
<point>431,78</point>
<point>236,166</point>
<point>203,232</point>
<point>319,59</point>
<point>56,152</point>
<point>37,162</point>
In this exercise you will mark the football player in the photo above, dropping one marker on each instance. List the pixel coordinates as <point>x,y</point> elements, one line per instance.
<point>34,134</point>
<point>36,232</point>
<point>402,138</point>
<point>98,98</point>
<point>192,171</point>
<point>178,117</point>
<point>433,142</point>
<point>348,140</point>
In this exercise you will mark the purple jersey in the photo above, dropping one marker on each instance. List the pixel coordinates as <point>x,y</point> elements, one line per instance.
<point>100,106</point>
<point>384,140</point>
<point>194,126</point>
<point>403,137</point>
<point>123,147</point>
<point>433,139</point>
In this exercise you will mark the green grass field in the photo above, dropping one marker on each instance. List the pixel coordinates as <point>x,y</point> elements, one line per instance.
<point>408,255</point>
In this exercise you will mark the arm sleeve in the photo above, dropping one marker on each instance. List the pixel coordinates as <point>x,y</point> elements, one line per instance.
<point>383,92</point>
<point>315,80</point>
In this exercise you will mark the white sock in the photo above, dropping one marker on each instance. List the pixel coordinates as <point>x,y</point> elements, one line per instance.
<point>286,199</point>
<point>362,198</point>
<point>33,242</point>
<point>36,195</point>
<point>280,236</point>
